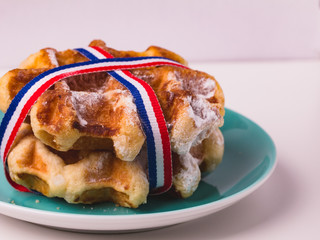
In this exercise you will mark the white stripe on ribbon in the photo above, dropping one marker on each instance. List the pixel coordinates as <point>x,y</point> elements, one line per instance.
<point>154,126</point>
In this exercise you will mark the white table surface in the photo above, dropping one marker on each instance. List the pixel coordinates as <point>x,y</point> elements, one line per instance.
<point>283,98</point>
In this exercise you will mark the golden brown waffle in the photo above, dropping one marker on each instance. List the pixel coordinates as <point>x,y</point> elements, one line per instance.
<point>77,176</point>
<point>95,176</point>
<point>67,117</point>
<point>84,126</point>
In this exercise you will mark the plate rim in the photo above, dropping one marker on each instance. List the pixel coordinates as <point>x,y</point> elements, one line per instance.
<point>29,214</point>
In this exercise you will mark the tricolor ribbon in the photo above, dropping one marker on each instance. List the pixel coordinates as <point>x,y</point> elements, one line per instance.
<point>152,119</point>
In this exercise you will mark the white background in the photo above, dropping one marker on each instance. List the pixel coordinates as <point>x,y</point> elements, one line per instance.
<point>230,38</point>
<point>200,30</point>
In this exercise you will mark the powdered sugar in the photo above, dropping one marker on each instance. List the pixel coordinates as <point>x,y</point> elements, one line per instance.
<point>121,98</point>
<point>82,101</point>
<point>187,180</point>
<point>200,85</point>
<point>202,135</point>
<point>201,111</point>
<point>200,88</point>
<point>207,86</point>
<point>52,57</point>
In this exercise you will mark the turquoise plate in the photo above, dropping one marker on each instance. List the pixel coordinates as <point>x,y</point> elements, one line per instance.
<point>249,159</point>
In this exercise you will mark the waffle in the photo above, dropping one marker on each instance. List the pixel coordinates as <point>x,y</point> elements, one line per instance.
<point>83,140</point>
<point>90,176</point>
<point>202,157</point>
<point>66,116</point>
<point>77,176</point>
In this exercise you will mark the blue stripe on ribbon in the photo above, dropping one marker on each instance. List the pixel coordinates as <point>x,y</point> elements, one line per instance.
<point>152,165</point>
<point>86,53</point>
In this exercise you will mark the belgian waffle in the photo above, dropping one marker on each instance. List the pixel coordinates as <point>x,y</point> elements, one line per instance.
<point>90,176</point>
<point>94,117</point>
